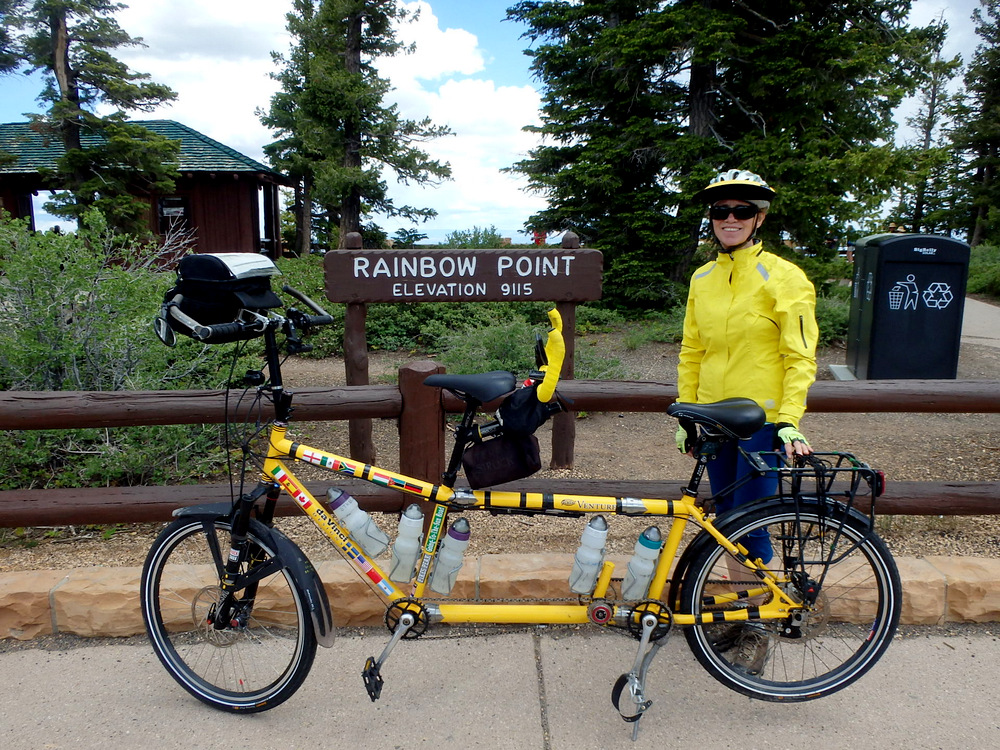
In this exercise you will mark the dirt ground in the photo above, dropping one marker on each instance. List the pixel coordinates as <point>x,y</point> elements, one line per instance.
<point>908,447</point>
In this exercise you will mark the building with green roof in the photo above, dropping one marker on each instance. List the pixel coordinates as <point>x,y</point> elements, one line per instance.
<point>227,200</point>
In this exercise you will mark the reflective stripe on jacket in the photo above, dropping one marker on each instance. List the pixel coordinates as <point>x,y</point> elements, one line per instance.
<point>750,330</point>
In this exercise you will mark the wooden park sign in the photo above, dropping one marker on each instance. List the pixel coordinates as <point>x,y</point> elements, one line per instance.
<point>549,275</point>
<point>565,276</point>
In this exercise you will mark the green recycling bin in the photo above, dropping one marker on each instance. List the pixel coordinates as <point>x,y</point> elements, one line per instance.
<point>908,298</point>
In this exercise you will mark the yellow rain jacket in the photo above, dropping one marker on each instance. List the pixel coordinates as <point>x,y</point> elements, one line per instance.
<point>750,330</point>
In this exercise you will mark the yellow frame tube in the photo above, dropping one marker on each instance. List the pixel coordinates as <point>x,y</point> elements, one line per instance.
<point>682,511</point>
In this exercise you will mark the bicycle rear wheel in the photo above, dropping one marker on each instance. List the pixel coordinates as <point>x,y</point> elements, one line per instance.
<point>259,659</point>
<point>841,636</point>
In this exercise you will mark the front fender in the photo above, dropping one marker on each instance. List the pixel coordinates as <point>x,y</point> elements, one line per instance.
<point>290,556</point>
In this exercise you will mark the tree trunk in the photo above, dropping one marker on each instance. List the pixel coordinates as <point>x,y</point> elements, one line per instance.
<point>702,114</point>
<point>981,215</point>
<point>350,209</point>
<point>69,119</point>
<point>304,219</point>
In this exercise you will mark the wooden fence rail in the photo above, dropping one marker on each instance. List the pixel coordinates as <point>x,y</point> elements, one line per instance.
<point>419,411</point>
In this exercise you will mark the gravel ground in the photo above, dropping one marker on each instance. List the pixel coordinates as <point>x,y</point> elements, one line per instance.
<point>908,447</point>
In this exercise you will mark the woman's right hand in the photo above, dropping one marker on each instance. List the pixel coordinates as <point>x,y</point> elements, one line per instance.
<point>681,437</point>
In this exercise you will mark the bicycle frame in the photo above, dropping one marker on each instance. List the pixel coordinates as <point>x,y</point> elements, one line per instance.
<point>238,654</point>
<point>277,472</point>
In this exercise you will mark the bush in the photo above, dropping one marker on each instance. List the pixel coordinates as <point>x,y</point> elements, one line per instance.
<point>77,310</point>
<point>833,312</point>
<point>984,271</point>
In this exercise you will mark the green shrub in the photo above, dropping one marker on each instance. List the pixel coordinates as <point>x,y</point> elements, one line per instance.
<point>984,271</point>
<point>78,311</point>
<point>832,314</point>
<point>496,345</point>
<point>663,327</point>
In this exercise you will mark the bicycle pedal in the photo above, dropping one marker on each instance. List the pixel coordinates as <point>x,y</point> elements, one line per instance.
<point>372,677</point>
<point>638,701</point>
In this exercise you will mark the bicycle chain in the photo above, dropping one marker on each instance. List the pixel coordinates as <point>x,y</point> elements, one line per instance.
<point>480,630</point>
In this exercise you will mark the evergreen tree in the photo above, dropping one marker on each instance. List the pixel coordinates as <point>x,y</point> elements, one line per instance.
<point>9,59</point>
<point>72,43</point>
<point>928,194</point>
<point>336,135</point>
<point>644,101</point>
<point>979,134</point>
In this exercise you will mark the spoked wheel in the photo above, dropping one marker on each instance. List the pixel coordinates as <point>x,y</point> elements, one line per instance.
<point>257,659</point>
<point>822,554</point>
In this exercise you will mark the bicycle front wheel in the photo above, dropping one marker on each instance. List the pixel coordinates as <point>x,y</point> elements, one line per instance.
<point>254,662</point>
<point>815,652</point>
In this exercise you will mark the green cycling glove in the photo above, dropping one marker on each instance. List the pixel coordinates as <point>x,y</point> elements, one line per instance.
<point>789,433</point>
<point>681,436</point>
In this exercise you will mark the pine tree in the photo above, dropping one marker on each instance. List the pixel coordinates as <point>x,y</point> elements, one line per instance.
<point>928,194</point>
<point>335,133</point>
<point>979,135</point>
<point>644,101</point>
<point>72,43</point>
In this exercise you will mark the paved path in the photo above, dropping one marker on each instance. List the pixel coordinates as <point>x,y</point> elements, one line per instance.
<point>981,323</point>
<point>545,690</point>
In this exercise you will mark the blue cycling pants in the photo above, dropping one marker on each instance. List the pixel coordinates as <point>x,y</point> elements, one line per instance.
<point>728,467</point>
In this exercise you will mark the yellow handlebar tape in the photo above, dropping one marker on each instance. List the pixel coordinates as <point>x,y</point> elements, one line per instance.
<point>555,353</point>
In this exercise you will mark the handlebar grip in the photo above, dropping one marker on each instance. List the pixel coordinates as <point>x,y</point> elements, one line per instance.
<point>219,333</point>
<point>555,352</point>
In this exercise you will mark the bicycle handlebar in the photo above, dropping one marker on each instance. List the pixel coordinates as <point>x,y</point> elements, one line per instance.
<point>240,330</point>
<point>220,332</point>
<point>321,318</point>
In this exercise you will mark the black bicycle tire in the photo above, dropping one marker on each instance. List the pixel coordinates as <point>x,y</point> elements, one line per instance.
<point>871,643</point>
<point>169,643</point>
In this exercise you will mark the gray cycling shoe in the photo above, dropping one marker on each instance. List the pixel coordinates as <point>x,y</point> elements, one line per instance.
<point>753,647</point>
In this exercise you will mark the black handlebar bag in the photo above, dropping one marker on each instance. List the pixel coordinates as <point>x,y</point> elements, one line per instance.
<point>215,288</point>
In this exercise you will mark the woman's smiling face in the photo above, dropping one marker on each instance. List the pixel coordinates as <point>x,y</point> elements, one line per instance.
<point>731,231</point>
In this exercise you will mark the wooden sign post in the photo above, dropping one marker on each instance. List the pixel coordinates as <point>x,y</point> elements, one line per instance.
<point>564,275</point>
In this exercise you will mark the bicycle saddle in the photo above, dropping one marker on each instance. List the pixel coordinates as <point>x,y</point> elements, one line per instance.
<point>482,387</point>
<point>734,417</point>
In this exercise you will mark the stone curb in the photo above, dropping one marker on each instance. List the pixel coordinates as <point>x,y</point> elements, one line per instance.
<point>104,602</point>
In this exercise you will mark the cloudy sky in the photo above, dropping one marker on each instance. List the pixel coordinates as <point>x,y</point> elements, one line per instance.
<point>468,72</point>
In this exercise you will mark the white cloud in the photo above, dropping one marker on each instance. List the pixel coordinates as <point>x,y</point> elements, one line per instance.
<point>962,39</point>
<point>217,57</point>
<point>440,81</point>
<point>439,52</point>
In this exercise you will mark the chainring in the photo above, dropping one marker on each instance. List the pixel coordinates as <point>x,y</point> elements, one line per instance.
<point>403,606</point>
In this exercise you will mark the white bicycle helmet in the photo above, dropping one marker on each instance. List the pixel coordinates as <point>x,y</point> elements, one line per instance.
<point>738,184</point>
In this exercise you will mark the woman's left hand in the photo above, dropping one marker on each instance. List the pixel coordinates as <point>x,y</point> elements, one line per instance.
<point>794,441</point>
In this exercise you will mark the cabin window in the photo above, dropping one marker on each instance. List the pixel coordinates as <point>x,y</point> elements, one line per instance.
<point>173,212</point>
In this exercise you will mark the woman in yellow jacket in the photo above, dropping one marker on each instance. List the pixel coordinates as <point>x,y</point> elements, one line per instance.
<point>750,331</point>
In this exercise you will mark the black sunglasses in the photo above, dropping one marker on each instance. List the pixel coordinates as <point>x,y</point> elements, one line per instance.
<point>740,213</point>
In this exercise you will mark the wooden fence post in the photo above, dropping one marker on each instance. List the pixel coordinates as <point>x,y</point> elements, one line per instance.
<point>421,423</point>
<point>564,424</point>
<point>356,367</point>
<point>421,430</point>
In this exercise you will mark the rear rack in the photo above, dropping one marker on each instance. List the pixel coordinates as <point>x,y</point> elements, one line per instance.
<point>835,475</point>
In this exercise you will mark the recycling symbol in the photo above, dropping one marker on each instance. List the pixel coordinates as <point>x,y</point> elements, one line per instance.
<point>938,295</point>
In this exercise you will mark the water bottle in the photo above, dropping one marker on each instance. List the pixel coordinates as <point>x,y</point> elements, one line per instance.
<point>449,557</point>
<point>589,556</point>
<point>372,540</point>
<point>640,567</point>
<point>407,545</point>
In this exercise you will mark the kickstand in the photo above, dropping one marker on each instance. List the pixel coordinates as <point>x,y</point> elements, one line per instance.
<point>372,673</point>
<point>635,680</point>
